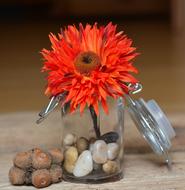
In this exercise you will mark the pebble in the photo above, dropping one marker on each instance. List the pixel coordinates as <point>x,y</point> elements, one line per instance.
<point>110,137</point>
<point>82,144</point>
<point>112,150</point>
<point>97,166</point>
<point>110,167</point>
<point>91,144</point>
<point>70,158</point>
<point>92,140</point>
<point>99,152</point>
<point>84,164</point>
<point>91,147</point>
<point>69,139</point>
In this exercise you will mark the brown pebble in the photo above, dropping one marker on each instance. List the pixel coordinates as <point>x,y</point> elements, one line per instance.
<point>41,178</point>
<point>56,155</point>
<point>41,159</point>
<point>23,160</point>
<point>92,140</point>
<point>16,176</point>
<point>56,173</point>
<point>82,144</point>
<point>110,167</point>
<point>97,166</point>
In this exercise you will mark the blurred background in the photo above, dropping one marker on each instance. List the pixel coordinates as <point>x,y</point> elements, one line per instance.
<point>156,27</point>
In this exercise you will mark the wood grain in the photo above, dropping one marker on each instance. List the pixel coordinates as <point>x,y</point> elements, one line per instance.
<point>142,169</point>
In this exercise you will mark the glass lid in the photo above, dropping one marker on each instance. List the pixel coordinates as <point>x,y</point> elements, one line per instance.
<point>152,123</point>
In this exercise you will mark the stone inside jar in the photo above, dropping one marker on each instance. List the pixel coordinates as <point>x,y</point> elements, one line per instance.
<point>87,156</point>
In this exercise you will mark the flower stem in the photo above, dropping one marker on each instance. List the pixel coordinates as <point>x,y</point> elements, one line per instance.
<point>95,122</point>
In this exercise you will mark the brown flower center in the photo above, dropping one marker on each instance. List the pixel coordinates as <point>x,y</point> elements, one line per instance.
<point>86,62</point>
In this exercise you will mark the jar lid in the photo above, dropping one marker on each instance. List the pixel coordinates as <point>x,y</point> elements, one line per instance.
<point>152,124</point>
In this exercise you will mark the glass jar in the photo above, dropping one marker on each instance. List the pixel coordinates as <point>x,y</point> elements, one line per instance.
<point>93,145</point>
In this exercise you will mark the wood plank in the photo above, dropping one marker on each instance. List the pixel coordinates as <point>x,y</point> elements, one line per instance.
<point>142,171</point>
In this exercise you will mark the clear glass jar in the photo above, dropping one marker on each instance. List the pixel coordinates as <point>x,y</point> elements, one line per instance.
<point>93,146</point>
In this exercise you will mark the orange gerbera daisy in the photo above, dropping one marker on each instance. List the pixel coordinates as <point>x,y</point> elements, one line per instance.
<point>89,65</point>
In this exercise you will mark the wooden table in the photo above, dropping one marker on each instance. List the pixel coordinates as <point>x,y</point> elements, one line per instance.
<point>142,169</point>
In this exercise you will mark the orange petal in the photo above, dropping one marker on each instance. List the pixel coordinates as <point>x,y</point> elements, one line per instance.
<point>82,106</point>
<point>104,105</point>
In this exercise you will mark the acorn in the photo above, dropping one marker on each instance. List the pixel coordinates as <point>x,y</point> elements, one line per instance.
<point>23,160</point>
<point>16,176</point>
<point>56,155</point>
<point>40,159</point>
<point>56,173</point>
<point>35,149</point>
<point>28,178</point>
<point>41,178</point>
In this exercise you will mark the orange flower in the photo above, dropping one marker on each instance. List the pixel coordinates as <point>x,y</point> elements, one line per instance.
<point>89,64</point>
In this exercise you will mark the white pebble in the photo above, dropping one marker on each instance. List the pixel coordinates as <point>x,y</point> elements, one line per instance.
<point>69,139</point>
<point>84,164</point>
<point>100,152</point>
<point>112,150</point>
<point>91,147</point>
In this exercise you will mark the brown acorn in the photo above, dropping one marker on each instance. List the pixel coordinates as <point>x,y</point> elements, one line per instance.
<point>41,178</point>
<point>56,155</point>
<point>23,160</point>
<point>35,150</point>
<point>16,176</point>
<point>40,159</point>
<point>56,173</point>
